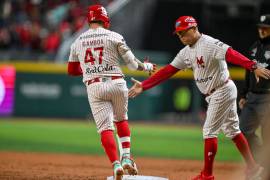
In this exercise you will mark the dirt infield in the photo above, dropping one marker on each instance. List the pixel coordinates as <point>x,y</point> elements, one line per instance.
<point>43,166</point>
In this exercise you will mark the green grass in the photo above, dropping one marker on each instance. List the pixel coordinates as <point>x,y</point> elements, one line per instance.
<point>161,141</point>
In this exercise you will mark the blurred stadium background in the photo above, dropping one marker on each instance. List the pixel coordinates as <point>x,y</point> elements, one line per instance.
<point>42,109</point>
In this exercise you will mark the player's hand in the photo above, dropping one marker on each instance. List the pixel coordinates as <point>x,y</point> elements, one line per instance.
<point>242,102</point>
<point>136,89</point>
<point>148,66</point>
<point>262,72</point>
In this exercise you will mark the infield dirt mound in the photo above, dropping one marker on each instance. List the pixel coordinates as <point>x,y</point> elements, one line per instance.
<point>44,166</point>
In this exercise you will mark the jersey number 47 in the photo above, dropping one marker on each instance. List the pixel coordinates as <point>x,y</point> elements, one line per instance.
<point>89,55</point>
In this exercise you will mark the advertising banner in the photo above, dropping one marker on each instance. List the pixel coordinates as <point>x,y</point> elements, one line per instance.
<point>7,83</point>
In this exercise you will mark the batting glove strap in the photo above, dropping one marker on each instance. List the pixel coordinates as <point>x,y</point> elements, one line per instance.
<point>148,66</point>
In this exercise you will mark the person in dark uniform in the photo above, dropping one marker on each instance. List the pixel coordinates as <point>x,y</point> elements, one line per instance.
<point>255,95</point>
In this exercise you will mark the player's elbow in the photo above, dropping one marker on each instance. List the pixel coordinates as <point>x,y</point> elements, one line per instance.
<point>74,69</point>
<point>73,73</point>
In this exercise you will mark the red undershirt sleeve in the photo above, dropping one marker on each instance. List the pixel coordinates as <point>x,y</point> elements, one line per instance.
<point>237,58</point>
<point>74,69</point>
<point>160,76</point>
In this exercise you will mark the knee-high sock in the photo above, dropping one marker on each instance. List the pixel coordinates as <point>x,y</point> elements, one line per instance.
<point>109,145</point>
<point>242,145</point>
<point>123,132</point>
<point>210,150</point>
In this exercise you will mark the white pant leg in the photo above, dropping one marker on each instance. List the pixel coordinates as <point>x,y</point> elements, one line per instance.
<point>101,106</point>
<point>230,126</point>
<point>220,113</point>
<point>119,98</point>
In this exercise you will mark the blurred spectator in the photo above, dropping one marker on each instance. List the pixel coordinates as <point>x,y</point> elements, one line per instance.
<point>56,15</point>
<point>39,26</point>
<point>35,35</point>
<point>5,39</point>
<point>24,33</point>
<point>52,42</point>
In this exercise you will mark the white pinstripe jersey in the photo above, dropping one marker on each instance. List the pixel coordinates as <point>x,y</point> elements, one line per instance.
<point>98,51</point>
<point>207,60</point>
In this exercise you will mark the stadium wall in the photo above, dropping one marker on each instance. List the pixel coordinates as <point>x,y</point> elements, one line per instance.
<point>45,90</point>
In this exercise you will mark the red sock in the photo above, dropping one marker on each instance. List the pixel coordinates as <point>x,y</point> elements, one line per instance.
<point>123,132</point>
<point>210,150</point>
<point>243,147</point>
<point>109,145</point>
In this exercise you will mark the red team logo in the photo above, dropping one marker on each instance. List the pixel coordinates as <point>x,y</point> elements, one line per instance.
<point>200,62</point>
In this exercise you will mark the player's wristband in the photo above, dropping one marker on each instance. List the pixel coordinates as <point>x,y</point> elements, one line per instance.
<point>148,66</point>
<point>254,67</point>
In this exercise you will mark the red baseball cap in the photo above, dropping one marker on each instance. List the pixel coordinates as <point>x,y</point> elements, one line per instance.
<point>184,23</point>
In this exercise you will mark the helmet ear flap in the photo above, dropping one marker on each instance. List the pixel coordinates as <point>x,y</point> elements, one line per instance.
<point>107,24</point>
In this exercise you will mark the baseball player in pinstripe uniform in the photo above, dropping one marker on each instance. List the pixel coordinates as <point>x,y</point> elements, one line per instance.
<point>95,54</point>
<point>207,58</point>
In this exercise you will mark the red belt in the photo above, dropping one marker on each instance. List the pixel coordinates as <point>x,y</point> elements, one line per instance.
<point>102,79</point>
<point>213,90</point>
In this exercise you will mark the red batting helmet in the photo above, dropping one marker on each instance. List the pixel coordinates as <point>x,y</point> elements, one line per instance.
<point>98,13</point>
<point>184,22</point>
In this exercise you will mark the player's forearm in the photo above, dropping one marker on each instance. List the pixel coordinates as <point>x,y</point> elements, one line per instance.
<point>162,75</point>
<point>133,63</point>
<point>237,58</point>
<point>137,64</point>
<point>130,61</point>
<point>74,69</point>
